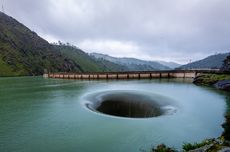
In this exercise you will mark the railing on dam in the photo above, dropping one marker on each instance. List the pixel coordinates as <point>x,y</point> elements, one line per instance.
<point>130,74</point>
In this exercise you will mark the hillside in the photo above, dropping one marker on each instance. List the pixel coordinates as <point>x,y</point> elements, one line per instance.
<point>86,62</point>
<point>23,52</point>
<point>132,64</point>
<point>172,65</point>
<point>210,62</point>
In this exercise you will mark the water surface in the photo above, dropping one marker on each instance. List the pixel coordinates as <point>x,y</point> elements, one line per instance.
<point>39,114</point>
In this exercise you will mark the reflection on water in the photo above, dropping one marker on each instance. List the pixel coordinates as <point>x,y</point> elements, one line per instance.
<point>39,114</point>
<point>226,125</point>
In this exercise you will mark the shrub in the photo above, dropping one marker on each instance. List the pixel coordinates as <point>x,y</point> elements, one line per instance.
<point>163,148</point>
<point>192,146</point>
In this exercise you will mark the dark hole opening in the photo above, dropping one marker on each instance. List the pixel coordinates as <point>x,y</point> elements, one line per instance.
<point>126,104</point>
<point>132,109</point>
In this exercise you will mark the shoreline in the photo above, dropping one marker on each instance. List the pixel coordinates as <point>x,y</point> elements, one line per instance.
<point>219,144</point>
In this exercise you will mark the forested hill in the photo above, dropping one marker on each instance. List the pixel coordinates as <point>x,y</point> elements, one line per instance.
<point>211,62</point>
<point>87,63</point>
<point>132,64</point>
<point>23,52</point>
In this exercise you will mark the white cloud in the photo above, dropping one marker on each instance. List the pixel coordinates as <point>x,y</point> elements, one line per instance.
<point>50,38</point>
<point>173,30</point>
<point>111,47</point>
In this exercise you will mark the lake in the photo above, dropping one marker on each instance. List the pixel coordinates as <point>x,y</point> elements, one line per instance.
<point>38,114</point>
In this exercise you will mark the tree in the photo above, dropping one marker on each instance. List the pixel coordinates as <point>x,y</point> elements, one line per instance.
<point>226,65</point>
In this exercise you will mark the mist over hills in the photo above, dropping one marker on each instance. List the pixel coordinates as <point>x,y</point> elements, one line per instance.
<point>172,65</point>
<point>86,62</point>
<point>134,64</point>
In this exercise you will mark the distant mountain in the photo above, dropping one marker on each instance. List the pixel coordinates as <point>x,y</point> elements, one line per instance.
<point>23,52</point>
<point>87,63</point>
<point>132,64</point>
<point>172,65</point>
<point>211,62</point>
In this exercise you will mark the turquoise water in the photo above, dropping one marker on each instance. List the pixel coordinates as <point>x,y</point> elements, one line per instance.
<point>39,114</point>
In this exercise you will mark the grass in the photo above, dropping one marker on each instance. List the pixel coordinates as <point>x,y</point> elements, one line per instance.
<point>86,63</point>
<point>210,79</point>
<point>6,70</point>
<point>226,126</point>
<point>192,146</point>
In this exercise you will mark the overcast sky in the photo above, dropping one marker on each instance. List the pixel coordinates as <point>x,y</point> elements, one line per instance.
<point>170,30</point>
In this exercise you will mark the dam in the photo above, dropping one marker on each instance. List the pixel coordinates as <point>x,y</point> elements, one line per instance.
<point>129,74</point>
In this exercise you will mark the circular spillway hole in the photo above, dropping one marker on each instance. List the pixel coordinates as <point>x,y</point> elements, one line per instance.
<point>128,104</point>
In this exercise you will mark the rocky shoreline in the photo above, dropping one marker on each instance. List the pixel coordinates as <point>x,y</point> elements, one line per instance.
<point>219,81</point>
<point>223,85</point>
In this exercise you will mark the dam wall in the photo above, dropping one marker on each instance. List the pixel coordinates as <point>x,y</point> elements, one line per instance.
<point>127,75</point>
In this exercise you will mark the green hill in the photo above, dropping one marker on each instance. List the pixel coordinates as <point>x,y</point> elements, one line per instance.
<point>132,64</point>
<point>23,52</point>
<point>211,62</point>
<point>87,63</point>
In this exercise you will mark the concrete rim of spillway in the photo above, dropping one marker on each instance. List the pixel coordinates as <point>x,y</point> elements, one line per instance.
<point>130,104</point>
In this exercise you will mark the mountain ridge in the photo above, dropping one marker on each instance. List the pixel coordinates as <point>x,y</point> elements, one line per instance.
<point>132,62</point>
<point>215,61</point>
<point>172,65</point>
